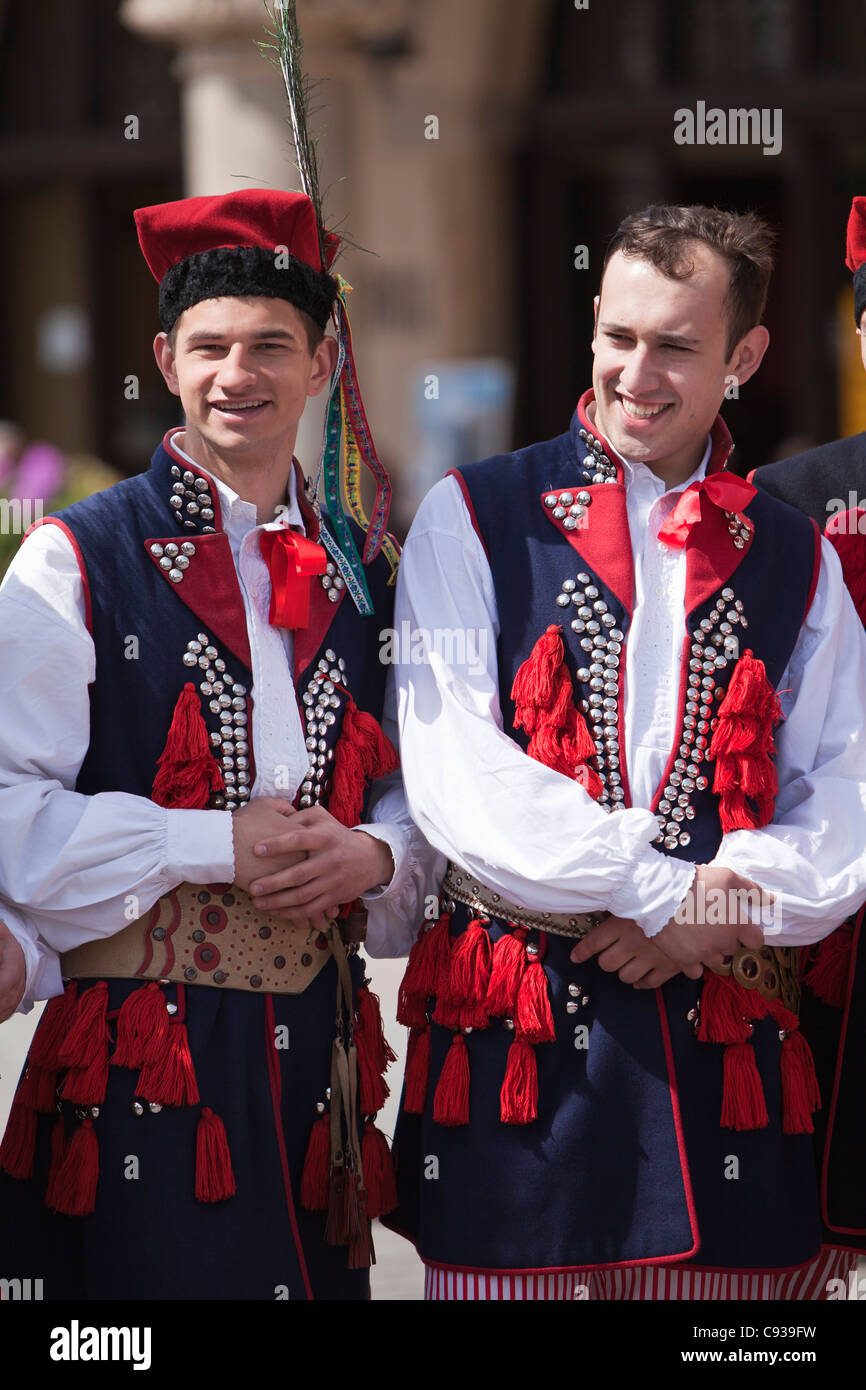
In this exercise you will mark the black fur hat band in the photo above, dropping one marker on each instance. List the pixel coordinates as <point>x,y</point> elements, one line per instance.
<point>245,270</point>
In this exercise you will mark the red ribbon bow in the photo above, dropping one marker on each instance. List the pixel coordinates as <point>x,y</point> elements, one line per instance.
<point>292,561</point>
<point>725,490</point>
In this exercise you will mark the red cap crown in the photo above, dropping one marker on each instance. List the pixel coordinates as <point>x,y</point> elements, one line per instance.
<point>261,217</point>
<point>856,246</point>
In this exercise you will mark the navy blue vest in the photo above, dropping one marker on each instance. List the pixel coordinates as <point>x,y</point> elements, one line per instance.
<point>161,617</point>
<point>579,576</point>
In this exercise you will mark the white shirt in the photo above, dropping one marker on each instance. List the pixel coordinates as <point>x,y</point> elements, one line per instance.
<point>537,837</point>
<point>71,861</point>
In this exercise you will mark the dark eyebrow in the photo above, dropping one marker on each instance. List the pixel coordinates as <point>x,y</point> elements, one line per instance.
<point>201,335</point>
<point>679,338</point>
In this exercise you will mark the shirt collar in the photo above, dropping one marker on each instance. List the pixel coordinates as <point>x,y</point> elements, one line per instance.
<point>638,475</point>
<point>237,514</point>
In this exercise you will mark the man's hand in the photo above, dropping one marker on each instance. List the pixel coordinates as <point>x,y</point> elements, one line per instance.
<point>716,893</point>
<point>263,816</point>
<point>623,948</point>
<point>338,866</point>
<point>13,973</point>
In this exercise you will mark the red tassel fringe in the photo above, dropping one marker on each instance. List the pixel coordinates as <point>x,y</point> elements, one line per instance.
<point>743,748</point>
<point>451,1097</point>
<point>89,1034</point>
<point>800,1093</point>
<point>171,1080</point>
<point>74,1189</point>
<point>317,1167</point>
<point>378,1172</point>
<point>518,1099</point>
<point>417,1071</point>
<point>533,1018</point>
<point>827,974</point>
<point>743,1104</point>
<point>843,532</point>
<point>508,966</point>
<point>363,752</point>
<point>54,1024</point>
<point>188,771</point>
<point>543,696</point>
<point>142,1028</point>
<point>214,1178</point>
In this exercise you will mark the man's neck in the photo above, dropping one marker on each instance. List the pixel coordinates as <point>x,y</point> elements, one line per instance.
<point>672,472</point>
<point>262,480</point>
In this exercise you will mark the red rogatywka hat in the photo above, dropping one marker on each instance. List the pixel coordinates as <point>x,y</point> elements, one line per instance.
<point>855,258</point>
<point>256,241</point>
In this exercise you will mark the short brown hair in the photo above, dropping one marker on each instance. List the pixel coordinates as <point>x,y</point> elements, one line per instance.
<point>663,235</point>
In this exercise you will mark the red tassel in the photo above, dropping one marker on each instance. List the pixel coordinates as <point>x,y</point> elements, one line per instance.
<point>533,1018</point>
<point>38,1090</point>
<point>470,965</point>
<point>508,965</point>
<point>743,1104</point>
<point>451,1097</point>
<point>59,1149</point>
<point>843,530</point>
<point>800,1093</point>
<point>417,1071</point>
<point>142,1028</point>
<point>89,1032</point>
<point>827,975</point>
<point>56,1020</point>
<point>369,1027</point>
<point>188,771</point>
<point>518,1099</point>
<point>19,1142</point>
<point>363,753</point>
<point>373,1089</point>
<point>378,1172</point>
<point>317,1166</point>
<point>724,1009</point>
<point>214,1178</point>
<point>74,1189</point>
<point>87,1085</point>
<point>171,1080</point>
<point>543,696</point>
<point>427,959</point>
<point>361,1254</point>
<point>742,745</point>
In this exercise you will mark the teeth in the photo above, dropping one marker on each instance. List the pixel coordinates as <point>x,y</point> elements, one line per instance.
<point>641,412</point>
<point>236,405</point>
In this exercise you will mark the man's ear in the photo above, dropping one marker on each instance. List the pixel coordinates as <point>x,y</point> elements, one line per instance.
<point>748,354</point>
<point>164,354</point>
<point>324,362</point>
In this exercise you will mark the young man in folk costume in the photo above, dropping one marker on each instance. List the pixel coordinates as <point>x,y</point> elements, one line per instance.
<point>606,1096</point>
<point>823,483</point>
<point>185,668</point>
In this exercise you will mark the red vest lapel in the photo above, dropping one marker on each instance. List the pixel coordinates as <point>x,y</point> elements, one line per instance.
<point>601,538</point>
<point>209,587</point>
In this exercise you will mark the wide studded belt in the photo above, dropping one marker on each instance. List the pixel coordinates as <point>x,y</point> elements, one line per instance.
<point>772,970</point>
<point>209,935</point>
<point>461,886</point>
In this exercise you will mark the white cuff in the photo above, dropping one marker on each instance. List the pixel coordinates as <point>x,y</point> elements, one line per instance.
<point>200,847</point>
<point>396,838</point>
<point>653,890</point>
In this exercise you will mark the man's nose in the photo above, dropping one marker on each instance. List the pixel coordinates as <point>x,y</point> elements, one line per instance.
<point>235,370</point>
<point>639,373</point>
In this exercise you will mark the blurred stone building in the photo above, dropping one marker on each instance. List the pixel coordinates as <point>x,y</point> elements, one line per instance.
<point>471,145</point>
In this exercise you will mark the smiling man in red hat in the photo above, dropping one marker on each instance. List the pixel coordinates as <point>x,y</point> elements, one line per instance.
<point>608,1093</point>
<point>192,666</point>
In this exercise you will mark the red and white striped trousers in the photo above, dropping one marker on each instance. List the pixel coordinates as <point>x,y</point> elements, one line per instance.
<point>646,1282</point>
